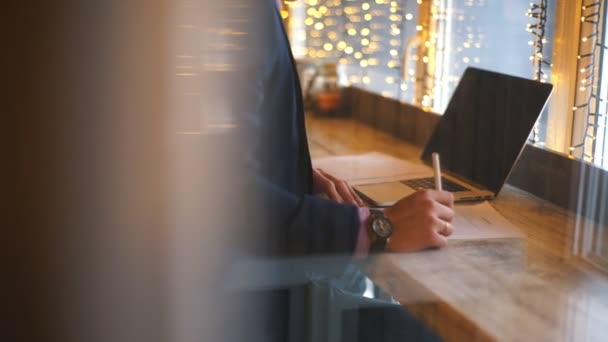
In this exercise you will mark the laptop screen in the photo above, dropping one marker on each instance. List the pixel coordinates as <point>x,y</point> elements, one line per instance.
<point>486,125</point>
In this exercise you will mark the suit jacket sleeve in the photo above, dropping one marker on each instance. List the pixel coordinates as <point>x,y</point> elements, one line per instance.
<point>302,225</point>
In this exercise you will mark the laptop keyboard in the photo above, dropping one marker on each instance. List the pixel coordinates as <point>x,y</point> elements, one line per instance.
<point>429,183</point>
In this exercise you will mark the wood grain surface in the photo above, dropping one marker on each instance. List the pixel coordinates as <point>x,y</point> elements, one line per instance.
<point>533,289</point>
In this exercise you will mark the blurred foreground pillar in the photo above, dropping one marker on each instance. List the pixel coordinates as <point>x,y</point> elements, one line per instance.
<point>84,116</point>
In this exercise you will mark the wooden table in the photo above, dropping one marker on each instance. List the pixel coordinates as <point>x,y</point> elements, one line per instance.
<point>533,289</point>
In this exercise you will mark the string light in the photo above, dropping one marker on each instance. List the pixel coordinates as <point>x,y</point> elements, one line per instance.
<point>434,50</point>
<point>538,11</point>
<point>396,63</point>
<point>360,39</point>
<point>587,100</point>
<point>540,65</point>
<point>367,34</point>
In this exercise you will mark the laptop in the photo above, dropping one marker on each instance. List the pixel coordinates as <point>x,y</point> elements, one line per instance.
<point>479,138</point>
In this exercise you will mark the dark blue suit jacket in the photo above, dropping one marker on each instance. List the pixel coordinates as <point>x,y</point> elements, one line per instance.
<point>271,118</point>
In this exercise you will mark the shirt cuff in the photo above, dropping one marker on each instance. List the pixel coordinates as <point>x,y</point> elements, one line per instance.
<point>363,243</point>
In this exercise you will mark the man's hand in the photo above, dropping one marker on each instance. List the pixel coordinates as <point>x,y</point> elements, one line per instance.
<point>421,220</point>
<point>335,189</point>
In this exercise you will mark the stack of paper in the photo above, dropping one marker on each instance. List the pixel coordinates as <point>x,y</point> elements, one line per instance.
<point>482,221</point>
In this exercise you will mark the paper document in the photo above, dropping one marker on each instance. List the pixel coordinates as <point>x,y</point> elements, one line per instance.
<point>370,168</point>
<point>481,221</point>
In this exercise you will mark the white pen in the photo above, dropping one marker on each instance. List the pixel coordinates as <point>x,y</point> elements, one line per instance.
<point>437,171</point>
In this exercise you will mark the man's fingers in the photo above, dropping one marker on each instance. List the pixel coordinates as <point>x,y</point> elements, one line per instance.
<point>356,197</point>
<point>447,229</point>
<point>439,230</point>
<point>443,212</point>
<point>443,197</point>
<point>441,227</point>
<point>345,191</point>
<point>328,176</point>
<point>332,192</point>
<point>328,187</point>
<point>439,241</point>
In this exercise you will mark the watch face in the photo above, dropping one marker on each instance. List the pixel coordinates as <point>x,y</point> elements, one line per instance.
<point>382,227</point>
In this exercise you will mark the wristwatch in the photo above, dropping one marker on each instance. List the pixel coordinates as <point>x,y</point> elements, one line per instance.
<point>381,229</point>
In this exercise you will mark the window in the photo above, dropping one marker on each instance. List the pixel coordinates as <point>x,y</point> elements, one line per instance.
<point>416,51</point>
<point>494,35</point>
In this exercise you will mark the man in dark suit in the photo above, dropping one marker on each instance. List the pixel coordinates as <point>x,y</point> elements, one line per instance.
<point>285,217</point>
<point>271,118</point>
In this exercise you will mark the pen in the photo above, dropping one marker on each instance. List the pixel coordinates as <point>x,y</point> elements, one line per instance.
<point>437,171</point>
